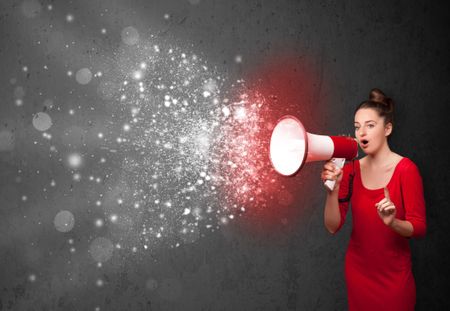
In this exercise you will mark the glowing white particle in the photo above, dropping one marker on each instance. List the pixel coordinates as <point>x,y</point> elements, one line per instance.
<point>52,183</point>
<point>70,241</point>
<point>74,160</point>
<point>103,31</point>
<point>143,65</point>
<point>99,223</point>
<point>100,135</point>
<point>71,112</point>
<point>99,283</point>
<point>102,160</point>
<point>69,18</point>
<point>137,75</point>
<point>166,16</point>
<point>119,201</point>
<point>206,94</point>
<point>134,249</point>
<point>158,235</point>
<point>69,73</point>
<point>231,216</point>
<point>168,204</point>
<point>24,198</point>
<point>240,113</point>
<point>19,102</point>
<point>98,180</point>
<point>226,111</point>
<point>72,250</point>
<point>49,7</point>
<point>126,127</point>
<point>238,59</point>
<point>76,177</point>
<point>113,218</point>
<point>187,211</point>
<point>25,68</point>
<point>32,278</point>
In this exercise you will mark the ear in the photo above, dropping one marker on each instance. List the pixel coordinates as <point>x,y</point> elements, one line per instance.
<point>388,129</point>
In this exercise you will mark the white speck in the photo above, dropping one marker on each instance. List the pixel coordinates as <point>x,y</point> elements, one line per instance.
<point>75,160</point>
<point>206,94</point>
<point>99,223</point>
<point>113,218</point>
<point>187,211</point>
<point>69,18</point>
<point>166,16</point>
<point>126,127</point>
<point>100,135</point>
<point>238,59</point>
<point>24,198</point>
<point>32,277</point>
<point>103,31</point>
<point>226,111</point>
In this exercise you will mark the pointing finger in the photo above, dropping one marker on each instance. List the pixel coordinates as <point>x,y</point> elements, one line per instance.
<point>386,193</point>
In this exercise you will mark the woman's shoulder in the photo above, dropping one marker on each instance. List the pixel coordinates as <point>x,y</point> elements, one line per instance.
<point>406,165</point>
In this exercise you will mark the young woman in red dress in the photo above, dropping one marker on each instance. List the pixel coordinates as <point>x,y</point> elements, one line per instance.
<point>385,193</point>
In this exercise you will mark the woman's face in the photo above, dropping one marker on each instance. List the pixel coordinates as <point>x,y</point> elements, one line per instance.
<point>370,130</point>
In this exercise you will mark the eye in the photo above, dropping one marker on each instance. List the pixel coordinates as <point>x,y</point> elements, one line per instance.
<point>371,126</point>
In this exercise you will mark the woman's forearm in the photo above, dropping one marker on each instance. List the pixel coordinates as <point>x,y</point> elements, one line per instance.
<point>402,227</point>
<point>332,215</point>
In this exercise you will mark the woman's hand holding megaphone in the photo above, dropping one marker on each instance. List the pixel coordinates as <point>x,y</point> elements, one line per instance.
<point>331,171</point>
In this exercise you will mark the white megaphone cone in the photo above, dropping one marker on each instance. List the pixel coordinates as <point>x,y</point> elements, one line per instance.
<point>291,147</point>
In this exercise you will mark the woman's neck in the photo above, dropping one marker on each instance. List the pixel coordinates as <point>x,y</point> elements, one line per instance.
<point>381,158</point>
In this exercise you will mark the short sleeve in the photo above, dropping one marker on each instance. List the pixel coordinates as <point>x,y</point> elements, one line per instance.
<point>344,189</point>
<point>413,199</point>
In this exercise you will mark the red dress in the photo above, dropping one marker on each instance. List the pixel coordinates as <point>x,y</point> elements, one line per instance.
<point>378,260</point>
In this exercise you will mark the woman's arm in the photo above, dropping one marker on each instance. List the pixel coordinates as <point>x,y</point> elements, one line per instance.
<point>402,227</point>
<point>332,214</point>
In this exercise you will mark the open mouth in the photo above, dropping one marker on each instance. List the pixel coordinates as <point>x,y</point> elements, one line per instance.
<point>364,143</point>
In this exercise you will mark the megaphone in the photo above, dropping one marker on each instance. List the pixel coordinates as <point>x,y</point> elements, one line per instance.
<point>291,147</point>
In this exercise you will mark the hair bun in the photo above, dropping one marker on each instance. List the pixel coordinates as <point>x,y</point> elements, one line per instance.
<point>377,95</point>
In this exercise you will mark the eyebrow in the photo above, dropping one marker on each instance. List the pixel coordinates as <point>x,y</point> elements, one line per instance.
<point>367,121</point>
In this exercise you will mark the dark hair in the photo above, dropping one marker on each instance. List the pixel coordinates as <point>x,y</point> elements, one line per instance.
<point>380,103</point>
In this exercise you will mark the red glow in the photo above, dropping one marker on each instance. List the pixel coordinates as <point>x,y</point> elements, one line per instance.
<point>271,202</point>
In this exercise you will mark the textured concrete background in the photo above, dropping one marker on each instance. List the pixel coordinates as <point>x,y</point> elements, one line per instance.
<point>399,46</point>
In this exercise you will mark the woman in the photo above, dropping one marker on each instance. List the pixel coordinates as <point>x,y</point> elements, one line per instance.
<point>386,194</point>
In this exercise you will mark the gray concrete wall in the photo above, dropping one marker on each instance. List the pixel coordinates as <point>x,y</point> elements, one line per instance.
<point>347,47</point>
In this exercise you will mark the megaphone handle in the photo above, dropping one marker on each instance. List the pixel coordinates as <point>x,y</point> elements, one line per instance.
<point>339,162</point>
